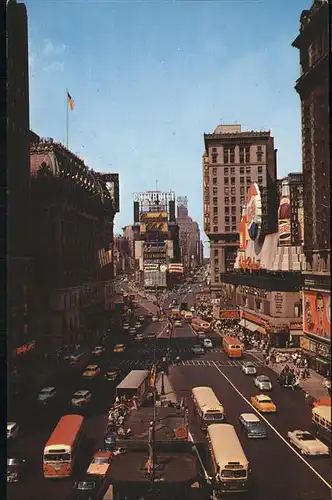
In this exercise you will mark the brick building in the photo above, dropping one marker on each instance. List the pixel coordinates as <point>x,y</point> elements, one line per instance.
<point>189,235</point>
<point>313,88</point>
<point>232,160</point>
<point>73,209</point>
<point>19,282</point>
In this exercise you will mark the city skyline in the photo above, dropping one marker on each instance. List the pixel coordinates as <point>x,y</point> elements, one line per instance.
<point>132,62</point>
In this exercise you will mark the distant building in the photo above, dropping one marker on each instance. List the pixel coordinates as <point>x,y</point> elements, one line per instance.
<point>189,235</point>
<point>73,212</point>
<point>233,159</point>
<point>313,89</point>
<point>19,279</point>
<point>122,258</point>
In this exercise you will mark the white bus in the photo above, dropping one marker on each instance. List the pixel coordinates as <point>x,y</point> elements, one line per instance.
<point>321,419</point>
<point>208,406</point>
<point>230,465</point>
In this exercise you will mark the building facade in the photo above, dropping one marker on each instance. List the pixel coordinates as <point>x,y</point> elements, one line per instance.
<point>232,160</point>
<point>313,43</point>
<point>19,283</point>
<point>189,234</point>
<point>156,236</point>
<point>73,211</point>
<point>122,256</point>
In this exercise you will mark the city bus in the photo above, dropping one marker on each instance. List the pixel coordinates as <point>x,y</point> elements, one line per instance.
<point>199,324</point>
<point>207,405</point>
<point>230,465</point>
<point>321,420</point>
<point>232,347</point>
<point>62,447</point>
<point>136,383</point>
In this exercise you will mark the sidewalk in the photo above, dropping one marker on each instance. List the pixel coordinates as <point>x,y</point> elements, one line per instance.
<point>170,394</point>
<point>313,385</point>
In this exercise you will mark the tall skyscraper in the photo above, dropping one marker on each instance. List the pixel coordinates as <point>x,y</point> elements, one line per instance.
<point>18,174</point>
<point>189,235</point>
<point>233,159</point>
<point>313,43</point>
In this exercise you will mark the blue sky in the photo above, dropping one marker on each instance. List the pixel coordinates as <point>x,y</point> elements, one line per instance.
<point>150,77</point>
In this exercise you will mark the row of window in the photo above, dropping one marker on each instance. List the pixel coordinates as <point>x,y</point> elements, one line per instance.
<point>243,180</point>
<point>226,200</point>
<point>232,229</point>
<point>229,154</point>
<point>233,170</point>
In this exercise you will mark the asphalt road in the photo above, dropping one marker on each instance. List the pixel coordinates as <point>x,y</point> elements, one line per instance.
<point>278,472</point>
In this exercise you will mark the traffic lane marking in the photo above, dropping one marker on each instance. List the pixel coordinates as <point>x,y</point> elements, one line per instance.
<point>261,415</point>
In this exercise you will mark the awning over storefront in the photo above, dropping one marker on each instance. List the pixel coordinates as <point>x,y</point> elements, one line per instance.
<point>242,322</point>
<point>250,326</point>
<point>295,332</point>
<point>260,329</point>
<point>322,360</point>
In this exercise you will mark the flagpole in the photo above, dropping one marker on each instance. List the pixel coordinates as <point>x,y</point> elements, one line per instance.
<point>67,118</point>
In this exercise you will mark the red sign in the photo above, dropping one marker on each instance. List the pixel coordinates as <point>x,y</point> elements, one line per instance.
<point>25,348</point>
<point>317,314</point>
<point>229,314</point>
<point>295,326</point>
<point>249,263</point>
<point>254,319</point>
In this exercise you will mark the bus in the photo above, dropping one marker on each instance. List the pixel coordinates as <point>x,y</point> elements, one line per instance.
<point>232,347</point>
<point>199,324</point>
<point>229,463</point>
<point>136,383</point>
<point>321,420</point>
<point>61,449</point>
<point>207,405</point>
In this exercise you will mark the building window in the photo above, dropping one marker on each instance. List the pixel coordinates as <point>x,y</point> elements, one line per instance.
<point>216,253</point>
<point>232,170</point>
<point>241,156</point>
<point>233,210</point>
<point>227,201</point>
<point>226,180</point>
<point>216,278</point>
<point>259,148</point>
<point>227,229</point>
<point>248,180</point>
<point>248,154</point>
<point>215,191</point>
<point>215,220</point>
<point>216,261</point>
<point>232,180</point>
<point>242,190</point>
<point>227,219</point>
<point>214,180</point>
<point>214,171</point>
<point>241,180</point>
<point>233,218</point>
<point>233,229</point>
<point>226,190</point>
<point>260,169</point>
<point>215,210</point>
<point>248,170</point>
<point>215,229</point>
<point>214,150</point>
<point>214,158</point>
<point>260,179</point>
<point>233,190</point>
<point>233,200</point>
<point>259,157</point>
<point>215,200</point>
<point>232,155</point>
<point>226,210</point>
<point>242,200</point>
<point>226,155</point>
<point>241,170</point>
<point>226,171</point>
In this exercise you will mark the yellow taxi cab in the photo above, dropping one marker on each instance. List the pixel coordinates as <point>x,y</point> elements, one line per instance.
<point>119,348</point>
<point>263,403</point>
<point>91,371</point>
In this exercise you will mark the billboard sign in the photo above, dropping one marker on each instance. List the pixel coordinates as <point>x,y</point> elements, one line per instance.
<point>154,196</point>
<point>175,268</point>
<point>146,227</point>
<point>229,314</point>
<point>254,212</point>
<point>153,217</point>
<point>154,278</point>
<point>317,314</point>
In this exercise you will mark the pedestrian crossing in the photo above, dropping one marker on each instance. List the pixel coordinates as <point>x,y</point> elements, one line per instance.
<point>135,364</point>
<point>175,350</point>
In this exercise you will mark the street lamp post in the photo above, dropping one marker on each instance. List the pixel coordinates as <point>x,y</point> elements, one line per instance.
<point>162,392</point>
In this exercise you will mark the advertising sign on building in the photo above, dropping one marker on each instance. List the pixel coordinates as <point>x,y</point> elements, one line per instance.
<point>278,303</point>
<point>284,215</point>
<point>317,314</point>
<point>146,227</point>
<point>153,217</point>
<point>154,279</point>
<point>229,314</point>
<point>254,212</point>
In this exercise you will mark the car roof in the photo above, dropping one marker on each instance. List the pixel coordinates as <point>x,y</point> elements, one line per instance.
<point>249,417</point>
<point>10,425</point>
<point>248,363</point>
<point>47,389</point>
<point>99,347</point>
<point>262,397</point>
<point>119,345</point>
<point>262,375</point>
<point>81,392</point>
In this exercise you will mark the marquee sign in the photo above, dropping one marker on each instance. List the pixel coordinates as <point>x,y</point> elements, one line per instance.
<point>254,212</point>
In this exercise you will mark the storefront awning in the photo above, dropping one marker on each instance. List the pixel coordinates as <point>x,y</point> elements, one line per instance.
<point>250,326</point>
<point>322,360</point>
<point>295,332</point>
<point>242,323</point>
<point>260,329</point>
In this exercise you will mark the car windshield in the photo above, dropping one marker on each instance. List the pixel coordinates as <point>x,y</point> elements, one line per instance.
<point>306,436</point>
<point>12,462</point>
<point>263,378</point>
<point>233,473</point>
<point>78,396</point>
<point>57,457</point>
<point>264,400</point>
<point>90,369</point>
<point>255,425</point>
<point>46,392</point>
<point>250,365</point>
<point>100,460</point>
<point>85,485</point>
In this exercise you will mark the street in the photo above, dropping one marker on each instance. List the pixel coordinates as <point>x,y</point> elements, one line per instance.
<point>278,471</point>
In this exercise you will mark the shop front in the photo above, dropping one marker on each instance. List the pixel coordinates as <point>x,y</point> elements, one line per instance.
<point>253,324</point>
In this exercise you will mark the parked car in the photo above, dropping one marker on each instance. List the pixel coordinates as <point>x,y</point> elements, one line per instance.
<point>16,469</point>
<point>263,383</point>
<point>252,426</point>
<point>249,368</point>
<point>47,395</point>
<point>307,443</point>
<point>12,431</point>
<point>197,350</point>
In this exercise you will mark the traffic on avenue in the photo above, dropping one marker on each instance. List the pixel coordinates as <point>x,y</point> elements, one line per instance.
<point>144,337</point>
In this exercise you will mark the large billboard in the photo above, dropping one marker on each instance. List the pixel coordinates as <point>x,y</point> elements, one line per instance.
<point>153,217</point>
<point>155,278</point>
<point>175,268</point>
<point>317,314</point>
<point>146,227</point>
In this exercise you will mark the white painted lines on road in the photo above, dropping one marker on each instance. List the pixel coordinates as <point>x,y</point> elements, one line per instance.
<point>163,329</point>
<point>273,428</point>
<point>205,362</point>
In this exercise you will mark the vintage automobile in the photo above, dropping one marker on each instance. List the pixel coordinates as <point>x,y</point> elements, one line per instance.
<point>307,443</point>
